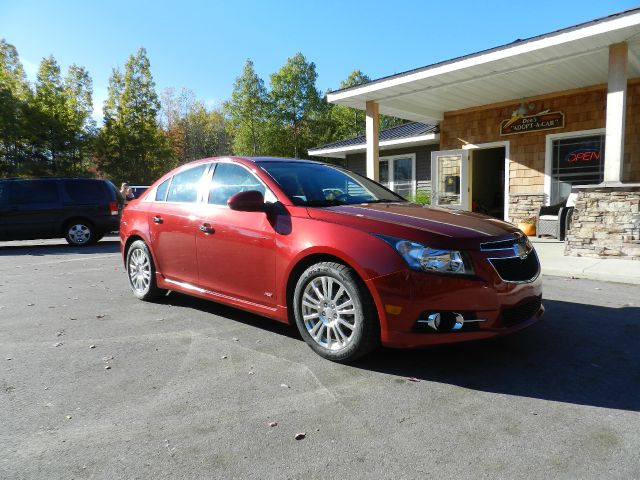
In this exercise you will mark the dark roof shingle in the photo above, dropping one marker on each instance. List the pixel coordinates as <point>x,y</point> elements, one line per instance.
<point>408,130</point>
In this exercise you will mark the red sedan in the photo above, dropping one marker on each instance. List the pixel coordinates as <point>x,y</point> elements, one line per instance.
<point>351,263</point>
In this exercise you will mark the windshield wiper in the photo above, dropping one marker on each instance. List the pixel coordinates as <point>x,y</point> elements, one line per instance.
<point>383,200</point>
<point>323,203</point>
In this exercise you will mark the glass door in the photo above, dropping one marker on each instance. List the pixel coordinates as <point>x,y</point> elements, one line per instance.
<point>450,179</point>
<point>397,173</point>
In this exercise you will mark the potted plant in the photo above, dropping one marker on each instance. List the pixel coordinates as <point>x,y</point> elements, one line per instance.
<point>528,226</point>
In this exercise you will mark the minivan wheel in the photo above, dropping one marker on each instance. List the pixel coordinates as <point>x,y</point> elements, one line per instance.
<point>334,312</point>
<point>142,272</point>
<point>79,233</point>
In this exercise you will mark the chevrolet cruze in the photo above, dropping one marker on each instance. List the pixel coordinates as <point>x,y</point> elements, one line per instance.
<point>351,263</point>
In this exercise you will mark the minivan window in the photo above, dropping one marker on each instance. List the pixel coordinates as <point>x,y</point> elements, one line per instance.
<point>184,187</point>
<point>84,191</point>
<point>161,191</point>
<point>33,191</point>
<point>229,179</point>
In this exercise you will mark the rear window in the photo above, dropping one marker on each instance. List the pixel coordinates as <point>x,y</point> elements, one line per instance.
<point>4,192</point>
<point>84,191</point>
<point>33,191</point>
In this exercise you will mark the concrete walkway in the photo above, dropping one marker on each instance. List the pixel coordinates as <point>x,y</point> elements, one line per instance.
<point>554,262</point>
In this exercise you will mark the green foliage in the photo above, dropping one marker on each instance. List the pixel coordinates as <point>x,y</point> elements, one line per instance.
<point>131,147</point>
<point>48,131</point>
<point>191,129</point>
<point>297,107</point>
<point>248,110</point>
<point>423,197</point>
<point>14,110</point>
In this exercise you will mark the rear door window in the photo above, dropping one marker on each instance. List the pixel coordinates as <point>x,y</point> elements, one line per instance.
<point>84,191</point>
<point>184,187</point>
<point>34,192</point>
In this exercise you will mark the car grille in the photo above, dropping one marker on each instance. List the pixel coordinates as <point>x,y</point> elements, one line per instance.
<point>520,313</point>
<point>517,269</point>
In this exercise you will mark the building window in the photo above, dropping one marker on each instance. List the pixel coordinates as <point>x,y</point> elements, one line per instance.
<point>576,161</point>
<point>398,173</point>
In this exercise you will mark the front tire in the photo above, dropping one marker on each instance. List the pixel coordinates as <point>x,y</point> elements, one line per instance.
<point>334,312</point>
<point>141,272</point>
<point>79,233</point>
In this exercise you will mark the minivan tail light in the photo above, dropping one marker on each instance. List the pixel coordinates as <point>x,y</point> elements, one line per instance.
<point>113,207</point>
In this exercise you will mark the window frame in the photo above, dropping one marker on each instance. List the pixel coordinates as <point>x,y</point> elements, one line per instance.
<point>548,154</point>
<point>390,161</point>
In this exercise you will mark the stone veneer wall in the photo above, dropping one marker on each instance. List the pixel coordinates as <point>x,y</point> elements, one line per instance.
<point>524,206</point>
<point>606,223</point>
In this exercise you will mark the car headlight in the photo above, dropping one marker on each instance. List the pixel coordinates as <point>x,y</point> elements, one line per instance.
<point>422,257</point>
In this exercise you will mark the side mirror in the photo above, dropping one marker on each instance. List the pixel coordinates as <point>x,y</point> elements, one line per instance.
<point>249,201</point>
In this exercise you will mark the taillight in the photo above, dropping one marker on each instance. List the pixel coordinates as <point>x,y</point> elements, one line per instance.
<point>113,207</point>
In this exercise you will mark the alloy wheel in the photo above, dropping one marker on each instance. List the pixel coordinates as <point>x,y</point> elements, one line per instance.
<point>329,313</point>
<point>139,270</point>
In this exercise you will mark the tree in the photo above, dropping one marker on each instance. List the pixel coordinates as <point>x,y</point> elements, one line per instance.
<point>349,122</point>
<point>296,105</point>
<point>78,91</point>
<point>15,95</point>
<point>192,130</point>
<point>248,110</point>
<point>131,145</point>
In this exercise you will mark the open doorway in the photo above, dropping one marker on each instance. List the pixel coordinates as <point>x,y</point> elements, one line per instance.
<point>487,181</point>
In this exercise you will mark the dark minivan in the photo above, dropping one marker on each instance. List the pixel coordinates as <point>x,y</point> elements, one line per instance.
<point>81,210</point>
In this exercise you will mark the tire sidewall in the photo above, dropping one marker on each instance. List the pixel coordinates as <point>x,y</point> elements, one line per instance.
<point>347,278</point>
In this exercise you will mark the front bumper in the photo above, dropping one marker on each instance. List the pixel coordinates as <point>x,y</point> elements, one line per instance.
<point>505,307</point>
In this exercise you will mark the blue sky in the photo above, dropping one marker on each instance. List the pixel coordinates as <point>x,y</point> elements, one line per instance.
<point>202,45</point>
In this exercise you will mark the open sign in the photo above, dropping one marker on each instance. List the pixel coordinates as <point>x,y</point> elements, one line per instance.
<point>583,155</point>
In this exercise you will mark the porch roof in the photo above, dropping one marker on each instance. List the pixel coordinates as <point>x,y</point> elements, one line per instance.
<point>409,134</point>
<point>566,59</point>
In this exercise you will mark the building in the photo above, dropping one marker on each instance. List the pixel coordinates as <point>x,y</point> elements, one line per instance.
<point>521,126</point>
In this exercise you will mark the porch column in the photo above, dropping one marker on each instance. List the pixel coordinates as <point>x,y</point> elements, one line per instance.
<point>372,140</point>
<point>616,110</point>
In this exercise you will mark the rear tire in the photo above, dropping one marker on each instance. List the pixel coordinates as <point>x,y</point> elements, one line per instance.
<point>141,272</point>
<point>335,313</point>
<point>79,233</point>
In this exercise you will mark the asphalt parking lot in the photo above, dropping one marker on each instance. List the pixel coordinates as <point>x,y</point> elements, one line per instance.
<point>96,384</point>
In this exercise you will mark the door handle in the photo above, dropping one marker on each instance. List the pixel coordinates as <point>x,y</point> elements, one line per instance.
<point>206,228</point>
<point>157,219</point>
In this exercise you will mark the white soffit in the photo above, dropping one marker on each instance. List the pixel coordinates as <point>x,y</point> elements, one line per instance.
<point>564,60</point>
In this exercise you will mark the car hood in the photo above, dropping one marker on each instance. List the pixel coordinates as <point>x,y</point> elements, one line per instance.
<point>414,222</point>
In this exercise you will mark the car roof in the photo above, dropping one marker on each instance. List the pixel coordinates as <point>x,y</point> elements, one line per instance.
<point>22,179</point>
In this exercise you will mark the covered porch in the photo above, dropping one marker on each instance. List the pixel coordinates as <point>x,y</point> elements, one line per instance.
<point>542,109</point>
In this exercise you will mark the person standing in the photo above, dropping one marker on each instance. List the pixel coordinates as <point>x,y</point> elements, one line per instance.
<point>125,191</point>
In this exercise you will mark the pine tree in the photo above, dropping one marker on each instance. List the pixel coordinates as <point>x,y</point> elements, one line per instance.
<point>248,110</point>
<point>15,96</point>
<point>131,145</point>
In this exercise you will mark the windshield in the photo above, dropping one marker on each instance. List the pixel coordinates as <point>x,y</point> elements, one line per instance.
<point>313,184</point>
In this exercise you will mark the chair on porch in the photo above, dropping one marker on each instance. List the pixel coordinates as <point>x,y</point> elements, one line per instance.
<point>553,220</point>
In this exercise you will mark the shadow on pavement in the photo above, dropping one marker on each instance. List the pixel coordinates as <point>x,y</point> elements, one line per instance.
<point>579,354</point>
<point>28,248</point>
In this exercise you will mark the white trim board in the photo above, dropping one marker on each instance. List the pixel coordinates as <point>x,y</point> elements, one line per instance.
<point>341,152</point>
<point>505,144</point>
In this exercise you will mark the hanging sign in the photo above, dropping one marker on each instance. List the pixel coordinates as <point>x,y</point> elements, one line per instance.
<point>532,123</point>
